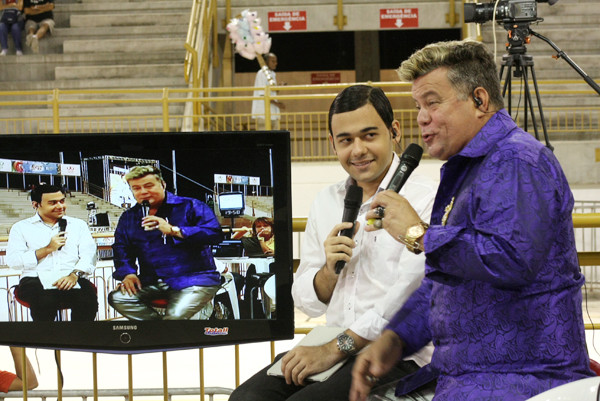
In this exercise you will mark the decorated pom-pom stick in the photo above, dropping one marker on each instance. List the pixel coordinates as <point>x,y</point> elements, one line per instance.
<point>250,40</point>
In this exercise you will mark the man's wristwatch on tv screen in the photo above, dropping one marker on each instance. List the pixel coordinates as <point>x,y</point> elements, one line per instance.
<point>78,273</point>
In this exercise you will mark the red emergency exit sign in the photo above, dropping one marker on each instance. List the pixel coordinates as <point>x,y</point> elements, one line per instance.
<point>287,20</point>
<point>397,18</point>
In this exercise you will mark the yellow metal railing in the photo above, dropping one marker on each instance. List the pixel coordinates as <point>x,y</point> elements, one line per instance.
<point>158,110</point>
<point>589,220</point>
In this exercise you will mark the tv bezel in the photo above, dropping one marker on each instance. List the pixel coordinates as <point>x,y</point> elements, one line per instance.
<point>147,336</point>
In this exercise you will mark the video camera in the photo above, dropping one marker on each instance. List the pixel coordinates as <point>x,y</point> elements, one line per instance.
<point>507,11</point>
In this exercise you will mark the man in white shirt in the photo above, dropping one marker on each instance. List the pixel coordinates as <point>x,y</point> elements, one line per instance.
<point>55,253</point>
<point>264,78</point>
<point>379,273</point>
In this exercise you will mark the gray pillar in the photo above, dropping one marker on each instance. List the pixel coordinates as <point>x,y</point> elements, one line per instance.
<point>366,56</point>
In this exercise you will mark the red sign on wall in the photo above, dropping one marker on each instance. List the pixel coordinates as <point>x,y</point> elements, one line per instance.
<point>325,78</point>
<point>287,21</point>
<point>398,18</point>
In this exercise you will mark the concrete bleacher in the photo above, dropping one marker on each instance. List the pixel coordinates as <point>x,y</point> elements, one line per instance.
<point>573,26</point>
<point>103,45</point>
<point>16,205</point>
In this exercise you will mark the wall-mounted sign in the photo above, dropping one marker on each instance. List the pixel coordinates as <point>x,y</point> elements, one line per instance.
<point>325,78</point>
<point>397,18</point>
<point>287,20</point>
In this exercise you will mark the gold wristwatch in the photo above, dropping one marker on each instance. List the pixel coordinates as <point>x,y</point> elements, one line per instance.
<point>412,237</point>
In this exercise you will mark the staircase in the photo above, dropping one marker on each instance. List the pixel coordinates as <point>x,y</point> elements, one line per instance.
<point>104,45</point>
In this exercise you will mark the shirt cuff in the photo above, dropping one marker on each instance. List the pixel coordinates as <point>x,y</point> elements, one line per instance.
<point>305,297</point>
<point>369,326</point>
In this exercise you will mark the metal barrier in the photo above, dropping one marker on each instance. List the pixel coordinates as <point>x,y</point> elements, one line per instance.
<point>305,117</point>
<point>587,258</point>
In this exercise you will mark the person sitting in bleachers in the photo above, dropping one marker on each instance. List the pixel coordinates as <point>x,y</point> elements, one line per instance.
<point>11,21</point>
<point>39,20</point>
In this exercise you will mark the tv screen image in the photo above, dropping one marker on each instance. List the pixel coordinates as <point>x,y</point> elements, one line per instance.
<point>243,177</point>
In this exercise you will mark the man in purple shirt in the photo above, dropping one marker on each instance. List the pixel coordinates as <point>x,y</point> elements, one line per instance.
<point>162,251</point>
<point>501,299</point>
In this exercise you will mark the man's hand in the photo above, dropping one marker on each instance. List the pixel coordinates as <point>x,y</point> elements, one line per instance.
<point>373,363</point>
<point>301,362</point>
<point>66,283</point>
<point>56,242</point>
<point>398,214</point>
<point>156,223</point>
<point>337,247</point>
<point>131,284</point>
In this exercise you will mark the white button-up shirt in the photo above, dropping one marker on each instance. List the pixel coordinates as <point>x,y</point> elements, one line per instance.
<point>29,235</point>
<point>382,273</point>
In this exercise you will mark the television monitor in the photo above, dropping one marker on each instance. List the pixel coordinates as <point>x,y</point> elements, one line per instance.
<point>231,203</point>
<point>91,166</point>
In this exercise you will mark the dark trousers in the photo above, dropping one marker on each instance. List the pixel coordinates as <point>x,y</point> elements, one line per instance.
<point>43,304</point>
<point>262,387</point>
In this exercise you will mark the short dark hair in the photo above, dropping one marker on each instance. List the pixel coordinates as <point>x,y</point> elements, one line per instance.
<point>356,96</point>
<point>41,189</point>
<point>260,220</point>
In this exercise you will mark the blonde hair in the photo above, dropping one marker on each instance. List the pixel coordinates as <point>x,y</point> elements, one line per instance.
<point>469,63</point>
<point>142,171</point>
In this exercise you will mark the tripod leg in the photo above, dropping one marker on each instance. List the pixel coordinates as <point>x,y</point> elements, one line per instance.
<point>507,83</point>
<point>539,102</point>
<point>528,106</point>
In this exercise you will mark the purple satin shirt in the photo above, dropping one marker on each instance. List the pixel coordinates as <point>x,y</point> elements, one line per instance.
<point>502,295</point>
<point>180,263</point>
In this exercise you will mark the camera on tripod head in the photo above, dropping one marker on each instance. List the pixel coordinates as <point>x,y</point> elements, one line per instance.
<point>507,11</point>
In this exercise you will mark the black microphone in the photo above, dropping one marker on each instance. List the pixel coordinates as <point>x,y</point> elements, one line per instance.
<point>408,162</point>
<point>62,227</point>
<point>145,208</point>
<point>352,203</point>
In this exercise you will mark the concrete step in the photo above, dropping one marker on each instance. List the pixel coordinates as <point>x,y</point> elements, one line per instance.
<point>135,31</point>
<point>118,71</point>
<point>113,83</point>
<point>132,19</point>
<point>547,68</point>
<point>567,38</point>
<point>41,67</point>
<point>122,45</point>
<point>101,7</point>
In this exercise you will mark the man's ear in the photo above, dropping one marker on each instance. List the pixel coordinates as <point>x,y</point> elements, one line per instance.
<point>332,144</point>
<point>481,99</point>
<point>35,204</point>
<point>396,132</point>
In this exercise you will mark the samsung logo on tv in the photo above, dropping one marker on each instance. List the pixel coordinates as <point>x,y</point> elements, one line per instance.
<point>124,327</point>
<point>216,331</point>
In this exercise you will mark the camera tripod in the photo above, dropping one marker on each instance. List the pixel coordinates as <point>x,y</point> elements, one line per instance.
<point>522,63</point>
<point>518,59</point>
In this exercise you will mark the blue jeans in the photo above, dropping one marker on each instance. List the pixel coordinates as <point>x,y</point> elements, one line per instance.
<point>15,30</point>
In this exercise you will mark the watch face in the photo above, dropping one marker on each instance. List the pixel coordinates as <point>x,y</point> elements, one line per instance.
<point>345,343</point>
<point>415,232</point>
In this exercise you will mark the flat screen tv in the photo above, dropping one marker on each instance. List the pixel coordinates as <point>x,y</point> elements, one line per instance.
<point>203,165</point>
